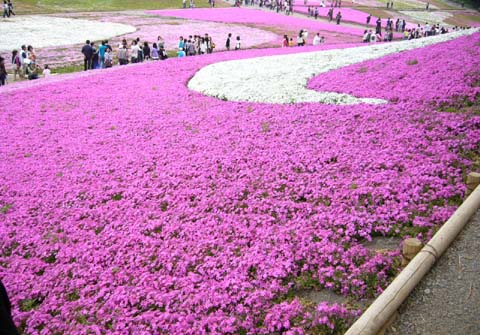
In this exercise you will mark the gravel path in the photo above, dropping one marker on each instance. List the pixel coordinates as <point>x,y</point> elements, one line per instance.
<point>447,301</point>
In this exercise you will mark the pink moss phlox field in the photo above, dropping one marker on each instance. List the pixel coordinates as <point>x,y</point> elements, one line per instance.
<point>253,16</point>
<point>419,76</point>
<point>130,204</point>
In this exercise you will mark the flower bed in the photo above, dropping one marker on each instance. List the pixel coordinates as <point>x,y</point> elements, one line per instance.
<point>45,31</point>
<point>130,204</point>
<point>244,80</point>
<point>253,16</point>
<point>430,17</point>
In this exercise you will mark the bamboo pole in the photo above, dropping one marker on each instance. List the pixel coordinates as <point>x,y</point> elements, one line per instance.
<point>382,309</point>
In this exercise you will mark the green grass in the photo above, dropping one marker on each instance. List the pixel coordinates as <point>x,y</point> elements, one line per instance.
<point>50,6</point>
<point>67,69</point>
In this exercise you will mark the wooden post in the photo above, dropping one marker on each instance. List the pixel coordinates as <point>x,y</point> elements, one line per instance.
<point>473,180</point>
<point>411,247</point>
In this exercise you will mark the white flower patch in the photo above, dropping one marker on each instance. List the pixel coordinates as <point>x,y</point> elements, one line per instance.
<point>283,78</point>
<point>430,17</point>
<point>46,31</point>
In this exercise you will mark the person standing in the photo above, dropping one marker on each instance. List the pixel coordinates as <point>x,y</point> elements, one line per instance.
<point>108,59</point>
<point>316,13</point>
<point>134,52</point>
<point>203,46</point>
<point>10,8</point>
<point>17,64</point>
<point>23,60</point>
<point>330,15</point>
<point>46,72</point>
<point>87,52</point>
<point>123,55</point>
<point>316,39</point>
<point>228,42</point>
<point>3,72</point>
<point>238,45</point>
<point>378,29</point>
<point>31,54</point>
<point>184,4</point>
<point>160,42</point>
<point>155,55</point>
<point>146,51</point>
<point>339,17</point>
<point>369,17</point>
<point>95,62</point>
<point>6,321</point>
<point>101,54</point>
<point>6,11</point>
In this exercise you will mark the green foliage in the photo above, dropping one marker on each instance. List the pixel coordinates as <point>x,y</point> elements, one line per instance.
<point>27,305</point>
<point>4,209</point>
<point>42,6</point>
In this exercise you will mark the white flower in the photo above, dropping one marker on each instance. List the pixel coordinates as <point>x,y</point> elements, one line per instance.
<point>283,78</point>
<point>430,17</point>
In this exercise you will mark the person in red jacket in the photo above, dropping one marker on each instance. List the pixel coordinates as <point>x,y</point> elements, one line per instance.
<point>6,322</point>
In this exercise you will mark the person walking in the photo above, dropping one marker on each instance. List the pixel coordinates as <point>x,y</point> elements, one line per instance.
<point>10,8</point>
<point>369,17</point>
<point>228,42</point>
<point>87,52</point>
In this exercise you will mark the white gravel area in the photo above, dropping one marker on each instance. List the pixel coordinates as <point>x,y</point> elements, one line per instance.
<point>46,31</point>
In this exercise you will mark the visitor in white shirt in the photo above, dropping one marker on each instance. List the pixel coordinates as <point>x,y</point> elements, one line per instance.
<point>46,72</point>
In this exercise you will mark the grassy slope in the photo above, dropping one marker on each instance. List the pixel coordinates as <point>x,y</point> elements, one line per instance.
<point>47,6</point>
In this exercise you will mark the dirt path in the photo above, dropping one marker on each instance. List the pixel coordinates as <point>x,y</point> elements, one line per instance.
<point>447,301</point>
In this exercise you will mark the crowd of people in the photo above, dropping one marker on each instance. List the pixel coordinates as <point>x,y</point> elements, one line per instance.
<point>191,3</point>
<point>24,64</point>
<point>408,34</point>
<point>137,52</point>
<point>285,6</point>
<point>302,39</point>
